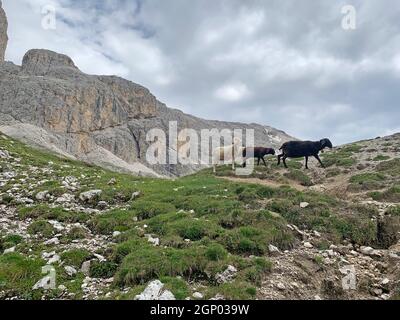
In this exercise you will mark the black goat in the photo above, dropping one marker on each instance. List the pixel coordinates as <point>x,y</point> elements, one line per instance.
<point>257,152</point>
<point>297,149</point>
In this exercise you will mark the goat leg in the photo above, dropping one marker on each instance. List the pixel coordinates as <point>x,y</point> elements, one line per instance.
<point>284,162</point>
<point>264,161</point>
<point>279,159</point>
<point>319,160</point>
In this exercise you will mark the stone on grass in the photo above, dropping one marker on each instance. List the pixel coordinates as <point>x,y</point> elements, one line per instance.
<point>155,291</point>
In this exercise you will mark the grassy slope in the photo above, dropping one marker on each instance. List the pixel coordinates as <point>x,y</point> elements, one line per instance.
<point>204,224</point>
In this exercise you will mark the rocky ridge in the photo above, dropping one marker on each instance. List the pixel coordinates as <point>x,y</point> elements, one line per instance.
<point>48,102</point>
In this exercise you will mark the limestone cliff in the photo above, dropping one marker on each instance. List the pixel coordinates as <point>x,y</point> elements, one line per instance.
<point>3,33</point>
<point>49,102</point>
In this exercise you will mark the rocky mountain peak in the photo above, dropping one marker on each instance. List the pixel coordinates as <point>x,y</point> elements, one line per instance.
<point>40,62</point>
<point>3,33</point>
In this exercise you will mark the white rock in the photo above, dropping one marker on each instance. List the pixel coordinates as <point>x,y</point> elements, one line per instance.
<point>54,259</point>
<point>308,245</point>
<point>10,250</point>
<point>273,250</point>
<point>385,281</point>
<point>154,241</point>
<point>281,286</point>
<point>71,271</point>
<point>99,257</point>
<point>154,291</point>
<point>227,276</point>
<point>47,255</point>
<point>304,205</point>
<point>116,234</point>
<point>366,250</point>
<point>44,283</point>
<point>65,198</point>
<point>40,196</point>
<point>53,241</point>
<point>62,287</point>
<point>90,195</point>
<point>102,205</point>
<point>197,295</point>
<point>135,195</point>
<point>85,269</point>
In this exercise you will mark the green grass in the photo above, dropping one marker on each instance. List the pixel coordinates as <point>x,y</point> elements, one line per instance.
<point>367,177</point>
<point>75,257</point>
<point>226,223</point>
<point>381,158</point>
<point>42,228</point>
<point>18,274</point>
<point>390,195</point>
<point>300,177</point>
<point>342,157</point>
<point>366,182</point>
<point>391,167</point>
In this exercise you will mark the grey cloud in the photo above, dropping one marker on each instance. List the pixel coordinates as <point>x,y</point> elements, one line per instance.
<point>288,64</point>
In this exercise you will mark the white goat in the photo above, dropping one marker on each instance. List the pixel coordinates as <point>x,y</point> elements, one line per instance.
<point>228,154</point>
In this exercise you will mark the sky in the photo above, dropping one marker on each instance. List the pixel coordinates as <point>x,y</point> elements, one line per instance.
<point>285,63</point>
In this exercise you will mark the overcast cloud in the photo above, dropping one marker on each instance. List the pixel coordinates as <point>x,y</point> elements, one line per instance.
<point>288,64</point>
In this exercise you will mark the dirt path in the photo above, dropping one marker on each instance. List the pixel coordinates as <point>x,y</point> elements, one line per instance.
<point>265,182</point>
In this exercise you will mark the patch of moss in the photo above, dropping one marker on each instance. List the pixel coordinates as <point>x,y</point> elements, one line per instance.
<point>42,228</point>
<point>75,257</point>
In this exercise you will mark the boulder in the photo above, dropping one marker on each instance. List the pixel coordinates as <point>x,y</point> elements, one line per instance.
<point>90,195</point>
<point>227,276</point>
<point>155,291</point>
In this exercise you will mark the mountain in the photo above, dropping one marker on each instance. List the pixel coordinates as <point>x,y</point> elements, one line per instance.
<point>49,102</point>
<point>3,33</point>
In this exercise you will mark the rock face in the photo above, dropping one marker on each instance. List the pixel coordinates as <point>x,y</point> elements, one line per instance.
<point>3,33</point>
<point>48,102</point>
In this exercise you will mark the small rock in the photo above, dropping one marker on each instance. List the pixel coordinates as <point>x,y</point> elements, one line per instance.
<point>273,250</point>
<point>40,196</point>
<point>85,268</point>
<point>53,241</point>
<point>218,297</point>
<point>308,245</point>
<point>45,283</point>
<point>154,291</point>
<point>54,259</point>
<point>135,195</point>
<point>71,271</point>
<point>154,241</point>
<point>366,250</point>
<point>377,292</point>
<point>112,181</point>
<point>304,205</point>
<point>62,287</point>
<point>66,198</point>
<point>116,234</point>
<point>99,257</point>
<point>90,195</point>
<point>10,250</point>
<point>227,276</point>
<point>102,205</point>
<point>281,286</point>
<point>197,295</point>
